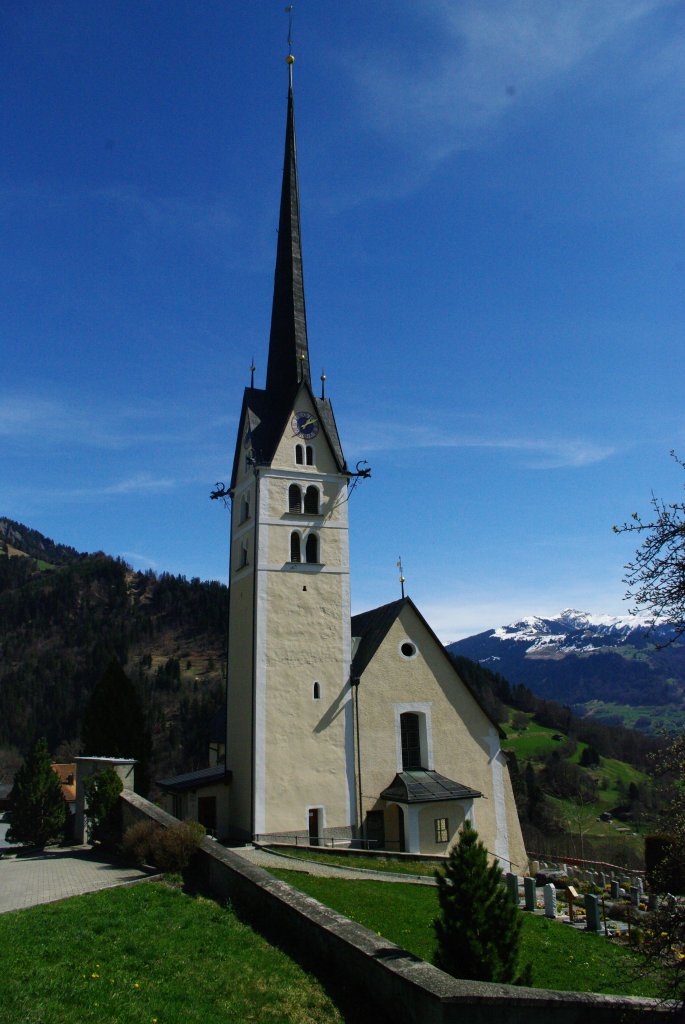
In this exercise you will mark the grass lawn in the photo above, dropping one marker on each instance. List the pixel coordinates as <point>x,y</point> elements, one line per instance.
<point>148,954</point>
<point>562,958</point>
<point>341,860</point>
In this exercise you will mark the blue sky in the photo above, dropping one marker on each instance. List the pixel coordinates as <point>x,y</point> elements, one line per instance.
<point>493,223</point>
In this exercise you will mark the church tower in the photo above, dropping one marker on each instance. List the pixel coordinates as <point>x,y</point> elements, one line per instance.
<point>290,726</point>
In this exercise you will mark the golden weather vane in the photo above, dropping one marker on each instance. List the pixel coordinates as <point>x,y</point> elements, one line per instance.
<point>399,566</point>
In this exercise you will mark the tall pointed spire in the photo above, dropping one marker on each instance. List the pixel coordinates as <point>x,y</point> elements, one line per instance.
<point>288,350</point>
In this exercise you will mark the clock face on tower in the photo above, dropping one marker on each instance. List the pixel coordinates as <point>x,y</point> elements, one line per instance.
<point>305,425</point>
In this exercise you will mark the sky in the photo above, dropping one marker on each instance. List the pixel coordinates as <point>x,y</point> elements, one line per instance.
<point>493,225</point>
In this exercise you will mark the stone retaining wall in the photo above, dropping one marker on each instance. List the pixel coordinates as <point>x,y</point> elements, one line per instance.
<point>404,989</point>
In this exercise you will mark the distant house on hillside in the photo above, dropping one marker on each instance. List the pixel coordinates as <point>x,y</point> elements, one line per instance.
<point>66,773</point>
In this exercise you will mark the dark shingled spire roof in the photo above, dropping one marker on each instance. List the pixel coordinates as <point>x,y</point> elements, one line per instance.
<point>288,351</point>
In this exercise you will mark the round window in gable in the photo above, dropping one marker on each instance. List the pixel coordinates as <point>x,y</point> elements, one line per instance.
<point>408,649</point>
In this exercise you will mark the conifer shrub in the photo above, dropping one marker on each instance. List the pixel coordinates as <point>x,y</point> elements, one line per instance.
<point>479,929</point>
<point>38,812</point>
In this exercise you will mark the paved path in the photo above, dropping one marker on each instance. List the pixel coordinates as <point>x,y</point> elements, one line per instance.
<point>55,874</point>
<point>270,859</point>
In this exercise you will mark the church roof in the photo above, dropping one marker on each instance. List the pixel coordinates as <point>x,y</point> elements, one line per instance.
<point>420,786</point>
<point>372,627</point>
<point>288,362</point>
<point>195,780</point>
<point>288,350</point>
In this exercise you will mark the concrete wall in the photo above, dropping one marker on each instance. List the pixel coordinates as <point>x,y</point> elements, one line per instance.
<point>405,990</point>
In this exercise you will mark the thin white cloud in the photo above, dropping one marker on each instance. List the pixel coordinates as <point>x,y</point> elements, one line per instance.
<point>138,561</point>
<point>537,453</point>
<point>136,484</point>
<point>481,62</point>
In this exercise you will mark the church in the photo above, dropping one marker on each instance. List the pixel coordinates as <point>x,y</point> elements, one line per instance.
<point>344,729</point>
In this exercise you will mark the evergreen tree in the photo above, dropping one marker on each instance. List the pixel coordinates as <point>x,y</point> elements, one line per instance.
<point>114,724</point>
<point>37,809</point>
<point>479,929</point>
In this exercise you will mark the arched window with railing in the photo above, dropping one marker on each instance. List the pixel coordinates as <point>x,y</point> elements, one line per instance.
<point>295,547</point>
<point>311,500</point>
<point>294,498</point>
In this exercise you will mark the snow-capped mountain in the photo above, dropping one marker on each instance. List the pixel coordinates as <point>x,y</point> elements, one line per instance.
<point>581,659</point>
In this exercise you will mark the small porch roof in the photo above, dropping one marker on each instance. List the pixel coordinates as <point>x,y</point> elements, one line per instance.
<point>421,786</point>
<point>195,780</point>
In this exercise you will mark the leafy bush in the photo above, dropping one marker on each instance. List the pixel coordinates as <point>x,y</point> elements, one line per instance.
<point>102,805</point>
<point>169,849</point>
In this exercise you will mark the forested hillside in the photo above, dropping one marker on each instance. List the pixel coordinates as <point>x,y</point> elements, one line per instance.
<point>64,615</point>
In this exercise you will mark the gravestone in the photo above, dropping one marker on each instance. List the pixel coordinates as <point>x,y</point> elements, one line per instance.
<point>535,866</point>
<point>593,913</point>
<point>550,895</point>
<point>652,901</point>
<point>512,881</point>
<point>530,893</point>
<point>635,896</point>
<point>615,889</point>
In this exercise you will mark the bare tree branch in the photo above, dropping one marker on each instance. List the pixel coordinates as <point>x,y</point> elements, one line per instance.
<point>656,576</point>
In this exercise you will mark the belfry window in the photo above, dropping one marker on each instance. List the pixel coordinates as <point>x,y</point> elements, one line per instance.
<point>299,455</point>
<point>310,455</point>
<point>295,548</point>
<point>312,548</point>
<point>311,500</point>
<point>294,498</point>
<point>411,741</point>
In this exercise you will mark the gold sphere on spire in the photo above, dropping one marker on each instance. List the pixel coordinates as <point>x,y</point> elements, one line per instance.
<point>290,59</point>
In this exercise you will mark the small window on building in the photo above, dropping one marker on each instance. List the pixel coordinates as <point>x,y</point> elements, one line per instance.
<point>299,455</point>
<point>243,556</point>
<point>408,649</point>
<point>310,455</point>
<point>441,830</point>
<point>294,498</point>
<point>311,500</point>
<point>411,741</point>
<point>312,548</point>
<point>177,806</point>
<point>245,508</point>
<point>317,691</point>
<point>295,549</point>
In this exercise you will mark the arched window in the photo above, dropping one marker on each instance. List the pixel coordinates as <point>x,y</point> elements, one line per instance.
<point>299,454</point>
<point>312,548</point>
<point>244,552</point>
<point>245,508</point>
<point>317,691</point>
<point>411,741</point>
<point>311,500</point>
<point>310,455</point>
<point>294,498</point>
<point>295,550</point>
